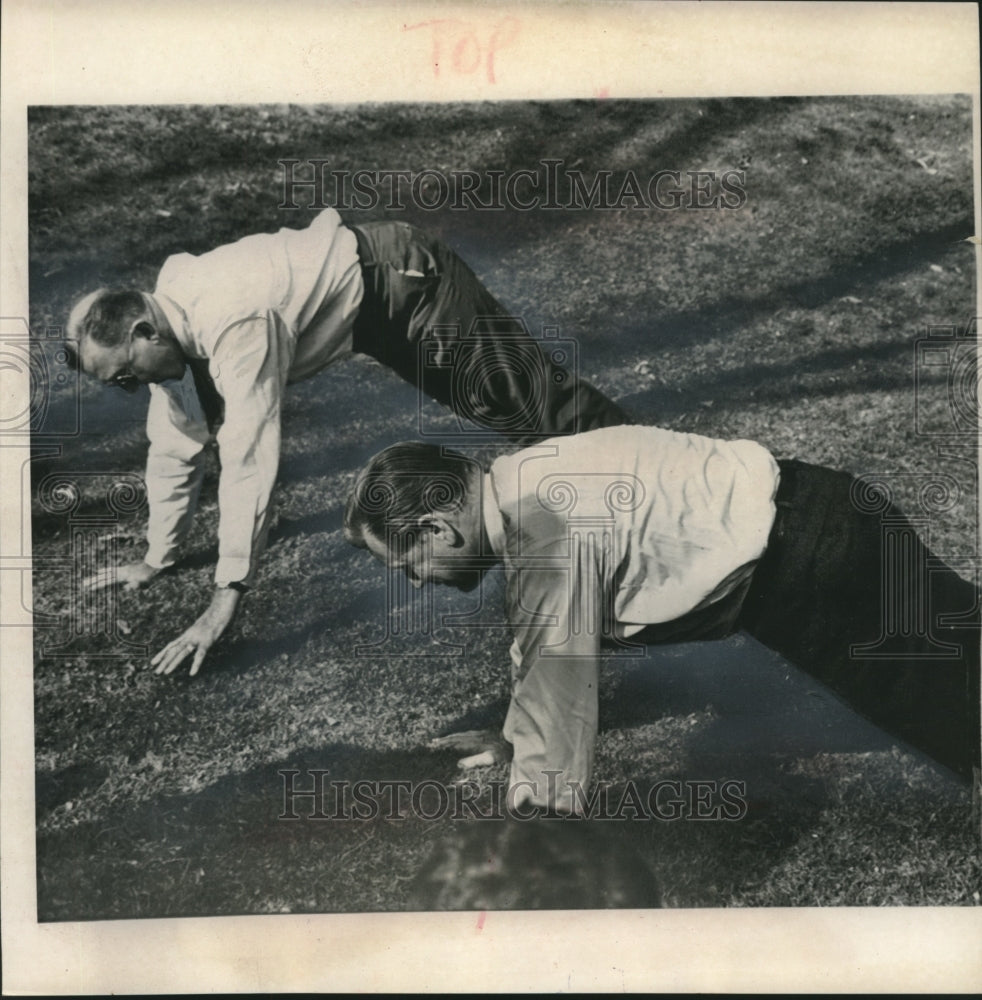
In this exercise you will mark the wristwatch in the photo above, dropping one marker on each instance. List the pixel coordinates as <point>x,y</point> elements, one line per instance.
<point>236,585</point>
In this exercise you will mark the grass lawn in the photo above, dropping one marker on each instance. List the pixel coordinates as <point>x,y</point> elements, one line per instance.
<point>793,320</point>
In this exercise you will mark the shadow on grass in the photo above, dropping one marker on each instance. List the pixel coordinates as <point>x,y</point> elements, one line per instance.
<point>762,385</point>
<point>51,790</point>
<point>588,131</point>
<point>751,701</point>
<point>227,849</point>
<point>718,317</point>
<point>488,716</point>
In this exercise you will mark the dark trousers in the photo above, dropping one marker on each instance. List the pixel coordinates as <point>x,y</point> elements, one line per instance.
<point>427,316</point>
<point>847,592</point>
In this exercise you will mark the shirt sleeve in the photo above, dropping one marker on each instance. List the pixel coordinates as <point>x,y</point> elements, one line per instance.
<point>178,434</point>
<point>250,363</point>
<point>557,614</point>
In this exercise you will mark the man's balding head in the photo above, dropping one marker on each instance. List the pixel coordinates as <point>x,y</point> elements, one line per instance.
<point>122,340</point>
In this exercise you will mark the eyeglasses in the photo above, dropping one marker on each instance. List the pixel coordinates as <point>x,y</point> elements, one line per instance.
<point>126,381</point>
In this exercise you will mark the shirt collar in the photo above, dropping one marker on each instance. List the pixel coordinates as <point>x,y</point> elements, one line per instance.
<point>494,525</point>
<point>176,319</point>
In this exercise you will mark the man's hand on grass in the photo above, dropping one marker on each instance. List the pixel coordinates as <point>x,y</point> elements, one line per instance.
<point>201,636</point>
<point>481,747</point>
<point>130,576</point>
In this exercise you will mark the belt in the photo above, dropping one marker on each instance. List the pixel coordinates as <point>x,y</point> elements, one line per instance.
<point>365,321</point>
<point>760,581</point>
<point>784,497</point>
<point>787,481</point>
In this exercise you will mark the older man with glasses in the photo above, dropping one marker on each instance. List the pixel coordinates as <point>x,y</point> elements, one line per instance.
<point>224,332</point>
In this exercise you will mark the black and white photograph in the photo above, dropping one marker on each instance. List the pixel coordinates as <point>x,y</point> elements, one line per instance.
<point>536,504</point>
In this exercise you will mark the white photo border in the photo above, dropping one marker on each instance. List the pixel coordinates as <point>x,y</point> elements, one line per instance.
<point>177,51</point>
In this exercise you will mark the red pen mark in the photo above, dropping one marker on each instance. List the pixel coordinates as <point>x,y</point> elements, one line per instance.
<point>504,34</point>
<point>460,42</point>
<point>480,919</point>
<point>602,93</point>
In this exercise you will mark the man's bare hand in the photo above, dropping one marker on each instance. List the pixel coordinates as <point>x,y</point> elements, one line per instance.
<point>201,636</point>
<point>130,576</point>
<point>482,747</point>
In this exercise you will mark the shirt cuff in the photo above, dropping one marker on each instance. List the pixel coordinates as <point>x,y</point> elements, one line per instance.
<point>545,790</point>
<point>158,560</point>
<point>233,570</point>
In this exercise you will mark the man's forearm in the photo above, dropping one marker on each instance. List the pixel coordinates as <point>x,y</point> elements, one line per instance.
<point>224,602</point>
<point>175,468</point>
<point>245,515</point>
<point>552,724</point>
<point>172,493</point>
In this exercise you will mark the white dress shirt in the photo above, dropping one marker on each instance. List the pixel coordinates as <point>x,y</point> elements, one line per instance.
<point>602,535</point>
<point>266,310</point>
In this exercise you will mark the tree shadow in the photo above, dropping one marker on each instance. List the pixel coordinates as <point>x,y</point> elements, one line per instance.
<point>65,784</point>
<point>719,317</point>
<point>757,703</point>
<point>593,129</point>
<point>266,832</point>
